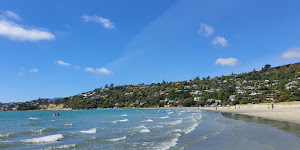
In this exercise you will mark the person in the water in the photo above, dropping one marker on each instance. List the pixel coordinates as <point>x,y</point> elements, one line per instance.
<point>53,114</point>
<point>57,114</point>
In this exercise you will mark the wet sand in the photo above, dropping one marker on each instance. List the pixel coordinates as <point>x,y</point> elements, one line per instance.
<point>284,111</point>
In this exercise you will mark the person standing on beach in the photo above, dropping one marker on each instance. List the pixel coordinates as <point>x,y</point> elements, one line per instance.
<point>272,106</point>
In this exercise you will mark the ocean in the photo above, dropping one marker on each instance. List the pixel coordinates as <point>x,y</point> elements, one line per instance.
<point>144,129</point>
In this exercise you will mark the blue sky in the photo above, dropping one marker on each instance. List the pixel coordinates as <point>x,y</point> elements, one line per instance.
<point>62,48</point>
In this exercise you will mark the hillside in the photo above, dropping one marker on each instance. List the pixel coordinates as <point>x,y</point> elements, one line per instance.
<point>270,84</point>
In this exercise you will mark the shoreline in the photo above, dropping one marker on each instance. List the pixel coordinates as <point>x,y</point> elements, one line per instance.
<point>281,112</point>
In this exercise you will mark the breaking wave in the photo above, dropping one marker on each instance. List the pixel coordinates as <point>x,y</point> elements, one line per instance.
<point>117,139</point>
<point>91,131</point>
<point>45,139</point>
<point>164,117</point>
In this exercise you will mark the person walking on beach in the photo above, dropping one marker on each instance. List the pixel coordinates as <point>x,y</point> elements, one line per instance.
<point>272,106</point>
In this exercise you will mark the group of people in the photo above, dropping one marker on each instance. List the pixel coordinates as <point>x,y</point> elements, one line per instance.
<point>54,114</point>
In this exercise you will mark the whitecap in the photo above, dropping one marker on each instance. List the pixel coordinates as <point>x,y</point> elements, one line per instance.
<point>170,112</point>
<point>91,131</point>
<point>173,122</point>
<point>124,120</point>
<point>148,120</point>
<point>164,117</point>
<point>39,131</point>
<point>144,130</point>
<point>45,139</point>
<point>124,115</point>
<point>32,118</point>
<point>117,139</point>
<point>70,124</point>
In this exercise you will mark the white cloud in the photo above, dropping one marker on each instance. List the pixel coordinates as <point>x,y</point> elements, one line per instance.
<point>103,70</point>
<point>227,61</point>
<point>220,40</point>
<point>12,15</point>
<point>103,21</point>
<point>16,32</point>
<point>60,62</point>
<point>291,53</point>
<point>34,70</point>
<point>205,30</point>
<point>89,69</point>
<point>98,70</point>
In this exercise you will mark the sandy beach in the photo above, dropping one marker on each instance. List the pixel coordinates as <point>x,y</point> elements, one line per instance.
<point>282,111</point>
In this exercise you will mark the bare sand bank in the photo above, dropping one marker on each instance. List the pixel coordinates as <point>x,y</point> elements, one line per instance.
<point>282,111</point>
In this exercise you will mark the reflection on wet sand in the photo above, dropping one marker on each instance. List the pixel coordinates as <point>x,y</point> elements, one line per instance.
<point>290,127</point>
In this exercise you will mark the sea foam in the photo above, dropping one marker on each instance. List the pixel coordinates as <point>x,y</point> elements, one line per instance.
<point>45,139</point>
<point>168,144</point>
<point>124,115</point>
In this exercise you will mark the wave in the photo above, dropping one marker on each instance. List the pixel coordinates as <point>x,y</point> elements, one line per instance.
<point>124,120</point>
<point>117,139</point>
<point>168,144</point>
<point>91,131</point>
<point>45,139</point>
<point>156,127</point>
<point>191,128</point>
<point>6,135</point>
<point>143,129</point>
<point>68,124</point>
<point>164,117</point>
<point>173,122</point>
<point>32,118</point>
<point>39,131</point>
<point>124,115</point>
<point>62,147</point>
<point>170,113</point>
<point>148,120</point>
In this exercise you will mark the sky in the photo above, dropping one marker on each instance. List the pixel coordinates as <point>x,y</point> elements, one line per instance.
<point>62,48</point>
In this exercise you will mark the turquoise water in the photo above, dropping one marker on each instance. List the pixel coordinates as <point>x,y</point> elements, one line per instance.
<point>137,129</point>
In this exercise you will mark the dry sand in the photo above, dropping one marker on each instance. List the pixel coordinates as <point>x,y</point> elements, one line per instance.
<point>282,111</point>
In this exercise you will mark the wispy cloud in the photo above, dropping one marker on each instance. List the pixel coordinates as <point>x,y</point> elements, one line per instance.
<point>106,23</point>
<point>227,61</point>
<point>205,30</point>
<point>34,70</point>
<point>220,41</point>
<point>12,15</point>
<point>291,53</point>
<point>103,70</point>
<point>60,62</point>
<point>16,32</point>
<point>89,69</point>
<point>98,70</point>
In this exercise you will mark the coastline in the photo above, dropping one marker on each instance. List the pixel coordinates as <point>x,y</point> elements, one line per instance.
<point>289,112</point>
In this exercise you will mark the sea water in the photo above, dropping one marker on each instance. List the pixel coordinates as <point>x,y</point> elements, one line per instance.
<point>139,129</point>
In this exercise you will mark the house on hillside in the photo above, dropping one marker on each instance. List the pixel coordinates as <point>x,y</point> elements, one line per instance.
<point>197,98</point>
<point>271,96</point>
<point>232,97</point>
